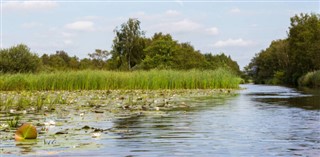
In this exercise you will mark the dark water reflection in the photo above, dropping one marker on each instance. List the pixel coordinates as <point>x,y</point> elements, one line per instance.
<point>260,121</point>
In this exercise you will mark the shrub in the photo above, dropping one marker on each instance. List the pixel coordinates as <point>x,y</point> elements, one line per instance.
<point>18,59</point>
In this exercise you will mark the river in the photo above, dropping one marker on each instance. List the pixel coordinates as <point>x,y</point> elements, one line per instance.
<point>260,121</point>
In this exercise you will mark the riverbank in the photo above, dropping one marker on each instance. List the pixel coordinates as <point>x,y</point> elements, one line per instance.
<point>113,80</point>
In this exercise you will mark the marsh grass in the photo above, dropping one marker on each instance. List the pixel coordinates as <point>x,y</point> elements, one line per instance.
<point>311,79</point>
<point>105,80</point>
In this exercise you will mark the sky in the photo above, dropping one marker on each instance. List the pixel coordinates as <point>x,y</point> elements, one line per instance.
<point>237,28</point>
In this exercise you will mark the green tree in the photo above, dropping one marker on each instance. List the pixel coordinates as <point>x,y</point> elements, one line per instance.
<point>163,52</point>
<point>269,66</point>
<point>187,57</point>
<point>160,52</point>
<point>304,45</point>
<point>99,58</point>
<point>128,45</point>
<point>221,61</point>
<point>18,59</point>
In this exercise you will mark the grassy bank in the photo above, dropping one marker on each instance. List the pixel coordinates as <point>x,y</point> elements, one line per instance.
<point>104,80</point>
<point>311,79</point>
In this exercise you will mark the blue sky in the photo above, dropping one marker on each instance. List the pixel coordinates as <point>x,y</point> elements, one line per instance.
<point>239,29</point>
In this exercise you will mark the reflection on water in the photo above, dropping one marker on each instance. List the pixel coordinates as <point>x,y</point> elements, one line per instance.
<point>302,98</point>
<point>260,121</point>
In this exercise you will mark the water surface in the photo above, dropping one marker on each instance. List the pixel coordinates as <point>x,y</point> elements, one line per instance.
<point>259,121</point>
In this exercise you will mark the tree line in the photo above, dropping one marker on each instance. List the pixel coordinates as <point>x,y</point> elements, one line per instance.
<point>131,50</point>
<point>286,60</point>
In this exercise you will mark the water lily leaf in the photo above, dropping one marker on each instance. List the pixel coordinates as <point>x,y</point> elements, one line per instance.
<point>26,131</point>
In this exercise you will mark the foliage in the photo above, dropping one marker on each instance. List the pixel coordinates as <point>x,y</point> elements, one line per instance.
<point>304,49</point>
<point>128,45</point>
<point>284,61</point>
<point>18,59</point>
<point>221,61</point>
<point>165,53</point>
<point>99,58</point>
<point>104,80</point>
<point>269,63</point>
<point>311,79</point>
<point>13,122</point>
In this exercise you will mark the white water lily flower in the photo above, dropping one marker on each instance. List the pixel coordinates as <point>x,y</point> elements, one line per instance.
<point>81,114</point>
<point>4,125</point>
<point>12,111</point>
<point>24,112</point>
<point>96,134</point>
<point>50,122</point>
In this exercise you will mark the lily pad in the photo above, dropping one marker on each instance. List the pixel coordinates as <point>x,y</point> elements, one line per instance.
<point>26,131</point>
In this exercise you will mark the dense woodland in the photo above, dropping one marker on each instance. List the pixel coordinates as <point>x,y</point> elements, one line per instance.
<point>131,50</point>
<point>287,60</point>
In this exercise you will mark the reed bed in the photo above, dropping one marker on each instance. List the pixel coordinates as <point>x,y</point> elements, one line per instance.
<point>109,80</point>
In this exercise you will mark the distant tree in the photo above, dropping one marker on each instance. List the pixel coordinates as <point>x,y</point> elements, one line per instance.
<point>128,45</point>
<point>18,59</point>
<point>74,63</point>
<point>270,65</point>
<point>160,52</point>
<point>99,58</point>
<point>221,61</point>
<point>187,57</point>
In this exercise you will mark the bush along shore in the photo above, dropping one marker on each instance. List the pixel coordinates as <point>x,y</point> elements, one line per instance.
<point>109,80</point>
<point>311,79</point>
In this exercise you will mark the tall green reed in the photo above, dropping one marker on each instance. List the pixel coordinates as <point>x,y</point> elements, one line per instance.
<point>105,80</point>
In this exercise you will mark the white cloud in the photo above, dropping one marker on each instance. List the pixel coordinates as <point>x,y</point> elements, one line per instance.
<point>172,13</point>
<point>213,30</point>
<point>30,25</point>
<point>67,35</point>
<point>184,25</point>
<point>92,18</point>
<point>235,10</point>
<point>81,26</point>
<point>29,5</point>
<point>67,42</point>
<point>233,43</point>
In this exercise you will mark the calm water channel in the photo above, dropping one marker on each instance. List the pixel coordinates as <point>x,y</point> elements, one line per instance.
<point>259,121</point>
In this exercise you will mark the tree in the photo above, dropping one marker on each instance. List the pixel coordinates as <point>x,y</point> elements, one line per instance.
<point>99,58</point>
<point>270,65</point>
<point>304,45</point>
<point>160,52</point>
<point>221,61</point>
<point>18,59</point>
<point>128,44</point>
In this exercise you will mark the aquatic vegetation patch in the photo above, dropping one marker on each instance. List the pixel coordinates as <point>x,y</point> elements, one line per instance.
<point>78,120</point>
<point>111,80</point>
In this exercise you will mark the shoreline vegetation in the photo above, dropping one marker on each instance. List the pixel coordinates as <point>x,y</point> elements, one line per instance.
<point>311,79</point>
<point>112,80</point>
<point>291,61</point>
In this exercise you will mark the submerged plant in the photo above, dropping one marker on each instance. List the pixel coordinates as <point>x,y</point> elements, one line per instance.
<point>13,122</point>
<point>39,103</point>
